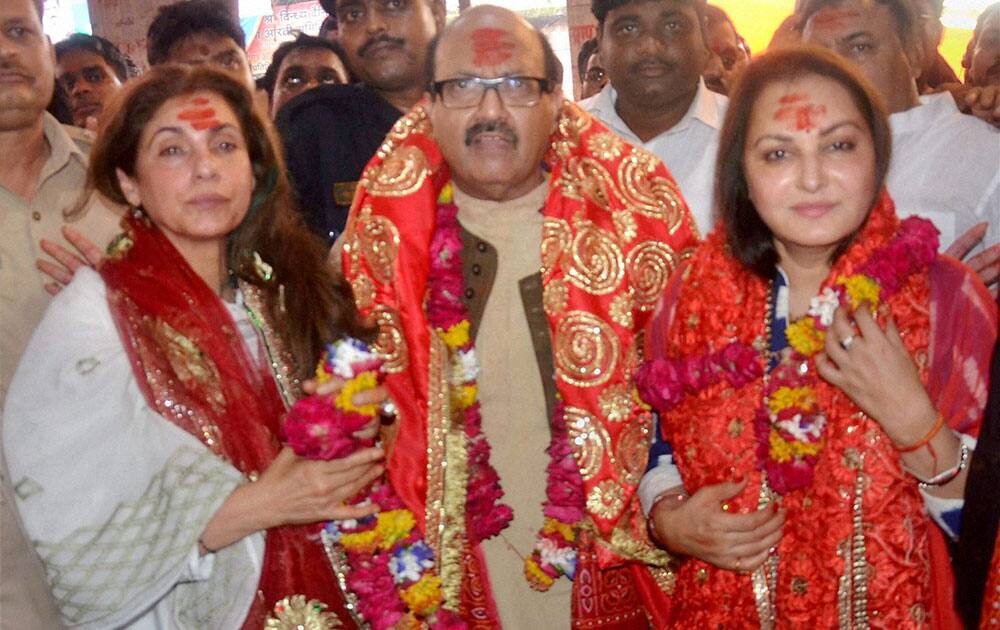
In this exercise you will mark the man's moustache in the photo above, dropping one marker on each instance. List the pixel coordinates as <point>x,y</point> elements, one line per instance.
<point>379,39</point>
<point>492,126</point>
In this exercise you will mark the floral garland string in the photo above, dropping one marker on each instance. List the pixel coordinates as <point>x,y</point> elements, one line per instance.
<point>788,426</point>
<point>391,567</point>
<point>554,554</point>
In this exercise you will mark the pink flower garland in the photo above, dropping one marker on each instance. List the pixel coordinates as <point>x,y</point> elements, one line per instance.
<point>788,428</point>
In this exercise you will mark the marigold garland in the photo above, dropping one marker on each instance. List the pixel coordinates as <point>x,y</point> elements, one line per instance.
<point>788,426</point>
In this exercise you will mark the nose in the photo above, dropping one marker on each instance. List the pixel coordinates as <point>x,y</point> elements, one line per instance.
<point>812,173</point>
<point>650,43</point>
<point>491,107</point>
<point>206,164</point>
<point>374,19</point>
<point>81,86</point>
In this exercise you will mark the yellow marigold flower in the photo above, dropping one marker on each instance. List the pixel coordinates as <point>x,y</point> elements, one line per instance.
<point>860,289</point>
<point>803,336</point>
<point>801,449</point>
<point>458,335</point>
<point>408,622</point>
<point>424,597</point>
<point>785,397</point>
<point>556,526</point>
<point>538,579</point>
<point>321,374</point>
<point>393,526</point>
<point>360,542</point>
<point>446,194</point>
<point>360,383</point>
<point>780,451</point>
<point>467,395</point>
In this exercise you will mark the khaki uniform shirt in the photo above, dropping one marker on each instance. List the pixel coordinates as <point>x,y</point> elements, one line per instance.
<point>24,598</point>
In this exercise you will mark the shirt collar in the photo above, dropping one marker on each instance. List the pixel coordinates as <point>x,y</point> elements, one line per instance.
<point>704,109</point>
<point>60,144</point>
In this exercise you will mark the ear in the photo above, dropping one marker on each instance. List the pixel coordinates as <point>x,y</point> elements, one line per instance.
<point>914,50</point>
<point>130,188</point>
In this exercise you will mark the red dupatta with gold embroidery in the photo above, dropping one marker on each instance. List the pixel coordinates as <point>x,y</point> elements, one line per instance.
<point>194,370</point>
<point>615,227</point>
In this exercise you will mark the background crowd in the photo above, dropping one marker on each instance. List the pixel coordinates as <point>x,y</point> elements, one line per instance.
<point>851,96</point>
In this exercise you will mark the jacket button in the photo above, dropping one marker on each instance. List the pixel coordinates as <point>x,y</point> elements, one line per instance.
<point>481,246</point>
<point>476,269</point>
<point>469,293</point>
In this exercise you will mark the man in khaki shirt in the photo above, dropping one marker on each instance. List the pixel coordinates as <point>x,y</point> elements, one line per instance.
<point>42,174</point>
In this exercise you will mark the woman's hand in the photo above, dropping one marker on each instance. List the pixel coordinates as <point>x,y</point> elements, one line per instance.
<point>700,527</point>
<point>294,490</point>
<point>877,374</point>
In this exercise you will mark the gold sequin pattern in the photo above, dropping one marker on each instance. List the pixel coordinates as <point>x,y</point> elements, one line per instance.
<point>616,403</point>
<point>648,194</point>
<point>190,364</point>
<point>606,145</point>
<point>620,309</point>
<point>626,225</point>
<point>438,418</point>
<point>665,577</point>
<point>598,263</point>
<point>364,292</point>
<point>633,448</point>
<point>635,545</point>
<point>280,359</point>
<point>401,173</point>
<point>589,439</point>
<point>555,296</point>
<point>337,557</point>
<point>413,122</point>
<point>586,178</point>
<point>586,350</point>
<point>390,343</point>
<point>556,238</point>
<point>297,613</point>
<point>649,265</point>
<point>572,123</point>
<point>764,579</point>
<point>605,500</point>
<point>377,239</point>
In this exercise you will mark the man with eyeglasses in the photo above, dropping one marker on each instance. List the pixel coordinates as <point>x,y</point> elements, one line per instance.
<point>592,76</point>
<point>472,193</point>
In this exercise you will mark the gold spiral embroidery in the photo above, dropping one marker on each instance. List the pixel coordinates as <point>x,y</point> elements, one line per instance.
<point>620,309</point>
<point>556,238</point>
<point>572,123</point>
<point>633,449</point>
<point>649,266</point>
<point>605,500</point>
<point>586,350</point>
<point>391,343</point>
<point>364,292</point>
<point>616,403</point>
<point>598,265</point>
<point>626,225</point>
<point>413,122</point>
<point>648,194</point>
<point>589,440</point>
<point>377,239</point>
<point>586,178</point>
<point>401,173</point>
<point>554,297</point>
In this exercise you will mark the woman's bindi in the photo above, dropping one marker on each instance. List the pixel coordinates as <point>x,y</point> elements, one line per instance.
<point>199,116</point>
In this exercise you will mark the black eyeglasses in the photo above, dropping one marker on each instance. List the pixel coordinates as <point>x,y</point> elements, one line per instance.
<point>466,92</point>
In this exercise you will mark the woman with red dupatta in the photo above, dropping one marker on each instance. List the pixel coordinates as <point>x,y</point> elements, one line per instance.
<point>143,425</point>
<point>820,373</point>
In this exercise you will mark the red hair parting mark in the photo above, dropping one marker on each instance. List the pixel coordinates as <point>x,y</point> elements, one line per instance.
<point>491,46</point>
<point>800,117</point>
<point>200,100</point>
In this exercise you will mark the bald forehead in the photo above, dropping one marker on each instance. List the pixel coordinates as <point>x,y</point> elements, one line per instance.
<point>489,40</point>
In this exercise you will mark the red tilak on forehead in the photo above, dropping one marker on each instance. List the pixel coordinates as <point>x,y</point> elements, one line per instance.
<point>201,100</point>
<point>199,118</point>
<point>833,18</point>
<point>800,117</point>
<point>491,46</point>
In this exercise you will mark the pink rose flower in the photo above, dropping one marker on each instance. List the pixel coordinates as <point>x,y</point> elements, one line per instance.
<point>315,429</point>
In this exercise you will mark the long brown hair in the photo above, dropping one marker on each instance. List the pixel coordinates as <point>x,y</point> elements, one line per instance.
<point>310,304</point>
<point>749,238</point>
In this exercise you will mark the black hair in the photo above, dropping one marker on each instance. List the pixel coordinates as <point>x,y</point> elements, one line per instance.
<point>270,78</point>
<point>553,67</point>
<point>174,22</point>
<point>749,238</point>
<point>601,8</point>
<point>123,67</point>
<point>901,10</point>
<point>587,50</point>
<point>60,106</point>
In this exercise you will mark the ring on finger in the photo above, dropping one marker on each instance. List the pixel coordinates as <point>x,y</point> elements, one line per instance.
<point>846,342</point>
<point>388,410</point>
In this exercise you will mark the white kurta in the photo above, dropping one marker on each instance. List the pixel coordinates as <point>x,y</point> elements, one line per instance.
<point>113,495</point>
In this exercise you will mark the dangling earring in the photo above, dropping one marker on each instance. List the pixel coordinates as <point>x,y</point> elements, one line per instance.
<point>264,271</point>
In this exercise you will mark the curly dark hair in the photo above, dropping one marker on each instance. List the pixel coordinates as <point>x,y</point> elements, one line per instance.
<point>314,305</point>
<point>174,22</point>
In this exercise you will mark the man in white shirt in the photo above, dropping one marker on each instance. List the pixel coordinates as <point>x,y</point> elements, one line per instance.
<point>945,165</point>
<point>654,53</point>
<point>42,171</point>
